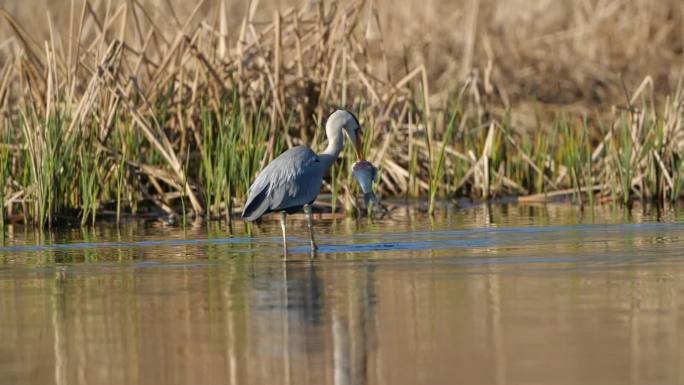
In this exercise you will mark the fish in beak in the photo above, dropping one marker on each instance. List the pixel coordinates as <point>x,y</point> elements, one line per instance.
<point>365,173</point>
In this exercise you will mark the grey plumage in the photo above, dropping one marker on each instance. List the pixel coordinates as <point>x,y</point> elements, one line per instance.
<point>290,181</point>
<point>293,179</point>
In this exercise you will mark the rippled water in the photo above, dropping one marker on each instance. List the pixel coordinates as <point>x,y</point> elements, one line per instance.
<point>484,295</point>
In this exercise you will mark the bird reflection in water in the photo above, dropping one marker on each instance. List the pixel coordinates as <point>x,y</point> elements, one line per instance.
<point>325,328</point>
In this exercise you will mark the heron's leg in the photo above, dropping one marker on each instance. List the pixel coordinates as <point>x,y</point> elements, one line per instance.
<point>283,215</point>
<point>309,221</point>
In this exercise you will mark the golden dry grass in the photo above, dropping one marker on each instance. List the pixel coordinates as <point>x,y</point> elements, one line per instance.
<point>541,50</point>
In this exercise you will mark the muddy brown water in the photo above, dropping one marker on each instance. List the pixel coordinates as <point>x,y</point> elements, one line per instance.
<point>486,295</point>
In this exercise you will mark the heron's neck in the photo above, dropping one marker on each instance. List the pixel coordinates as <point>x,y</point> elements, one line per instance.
<point>332,151</point>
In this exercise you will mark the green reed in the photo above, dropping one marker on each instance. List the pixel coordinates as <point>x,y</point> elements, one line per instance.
<point>5,159</point>
<point>69,171</point>
<point>438,175</point>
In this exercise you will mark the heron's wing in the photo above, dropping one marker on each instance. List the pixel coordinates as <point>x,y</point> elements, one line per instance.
<point>290,180</point>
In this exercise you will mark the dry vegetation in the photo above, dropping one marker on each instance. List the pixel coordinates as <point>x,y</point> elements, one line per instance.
<point>118,108</point>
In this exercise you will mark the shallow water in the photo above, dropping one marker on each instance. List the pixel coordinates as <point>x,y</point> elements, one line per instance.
<point>484,295</point>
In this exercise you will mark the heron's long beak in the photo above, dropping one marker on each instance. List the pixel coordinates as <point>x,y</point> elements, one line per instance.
<point>358,147</point>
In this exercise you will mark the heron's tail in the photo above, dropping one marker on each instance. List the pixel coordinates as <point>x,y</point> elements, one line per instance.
<point>256,206</point>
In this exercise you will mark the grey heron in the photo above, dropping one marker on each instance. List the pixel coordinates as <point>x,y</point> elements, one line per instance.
<point>293,180</point>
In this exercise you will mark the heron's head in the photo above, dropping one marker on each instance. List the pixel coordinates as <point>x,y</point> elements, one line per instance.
<point>343,119</point>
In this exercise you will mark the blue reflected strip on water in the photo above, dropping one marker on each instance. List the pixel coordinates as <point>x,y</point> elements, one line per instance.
<point>606,228</point>
<point>398,246</point>
<point>151,243</point>
<point>418,240</point>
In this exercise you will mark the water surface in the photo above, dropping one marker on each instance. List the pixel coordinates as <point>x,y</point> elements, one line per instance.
<point>485,295</point>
